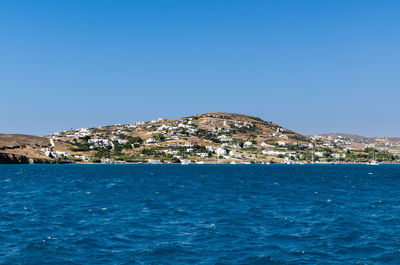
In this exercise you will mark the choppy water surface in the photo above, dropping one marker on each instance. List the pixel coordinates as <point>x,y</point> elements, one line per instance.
<point>205,214</point>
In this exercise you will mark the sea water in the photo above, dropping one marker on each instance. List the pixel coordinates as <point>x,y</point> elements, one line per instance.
<point>199,214</point>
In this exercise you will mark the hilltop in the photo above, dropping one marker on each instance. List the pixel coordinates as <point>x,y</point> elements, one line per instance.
<point>355,137</point>
<point>215,137</point>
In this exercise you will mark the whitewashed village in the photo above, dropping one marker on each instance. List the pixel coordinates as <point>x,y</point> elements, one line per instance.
<point>210,138</point>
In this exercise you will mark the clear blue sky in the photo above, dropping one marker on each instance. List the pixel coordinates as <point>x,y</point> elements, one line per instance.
<point>311,66</point>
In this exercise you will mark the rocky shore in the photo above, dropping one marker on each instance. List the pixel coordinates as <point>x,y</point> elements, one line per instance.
<point>6,158</point>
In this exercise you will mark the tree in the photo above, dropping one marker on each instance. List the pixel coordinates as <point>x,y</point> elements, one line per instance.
<point>117,148</point>
<point>159,137</point>
<point>102,153</point>
<point>175,160</point>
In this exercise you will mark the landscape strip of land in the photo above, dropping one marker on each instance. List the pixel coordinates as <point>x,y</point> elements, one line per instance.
<point>208,138</point>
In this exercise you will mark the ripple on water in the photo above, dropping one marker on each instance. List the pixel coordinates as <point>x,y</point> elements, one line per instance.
<point>127,214</point>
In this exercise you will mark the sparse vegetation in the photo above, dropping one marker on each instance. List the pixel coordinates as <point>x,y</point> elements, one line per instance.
<point>209,137</point>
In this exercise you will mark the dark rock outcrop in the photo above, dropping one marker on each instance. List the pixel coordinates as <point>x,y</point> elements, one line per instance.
<point>6,158</point>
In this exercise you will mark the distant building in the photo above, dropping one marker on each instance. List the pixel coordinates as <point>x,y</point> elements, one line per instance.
<point>247,144</point>
<point>281,143</point>
<point>188,144</point>
<point>220,151</point>
<point>56,154</point>
<point>150,140</point>
<point>153,161</point>
<point>224,138</point>
<point>211,148</point>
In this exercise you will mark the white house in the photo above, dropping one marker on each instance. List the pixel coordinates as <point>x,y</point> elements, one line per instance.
<point>283,136</point>
<point>56,154</point>
<point>115,138</point>
<point>153,161</point>
<point>150,140</point>
<point>220,151</point>
<point>171,152</point>
<point>247,144</point>
<point>122,141</point>
<point>100,142</point>
<point>192,130</point>
<point>80,157</point>
<point>188,144</point>
<point>211,148</point>
<point>224,138</point>
<point>281,143</point>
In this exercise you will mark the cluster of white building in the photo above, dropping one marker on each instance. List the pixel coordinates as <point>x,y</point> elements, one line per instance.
<point>175,128</point>
<point>100,142</point>
<point>56,154</point>
<point>118,140</point>
<point>64,155</point>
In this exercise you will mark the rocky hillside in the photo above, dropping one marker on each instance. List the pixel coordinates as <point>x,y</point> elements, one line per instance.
<point>204,138</point>
<point>22,140</point>
<point>23,149</point>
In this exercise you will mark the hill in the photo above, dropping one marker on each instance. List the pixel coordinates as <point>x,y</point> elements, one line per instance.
<point>19,140</point>
<point>216,137</point>
<point>23,149</point>
<point>354,137</point>
<point>389,144</point>
<point>207,137</point>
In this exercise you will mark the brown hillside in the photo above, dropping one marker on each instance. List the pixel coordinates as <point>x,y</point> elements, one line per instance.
<point>18,140</point>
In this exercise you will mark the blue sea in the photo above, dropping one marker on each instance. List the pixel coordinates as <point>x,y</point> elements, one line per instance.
<point>199,214</point>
